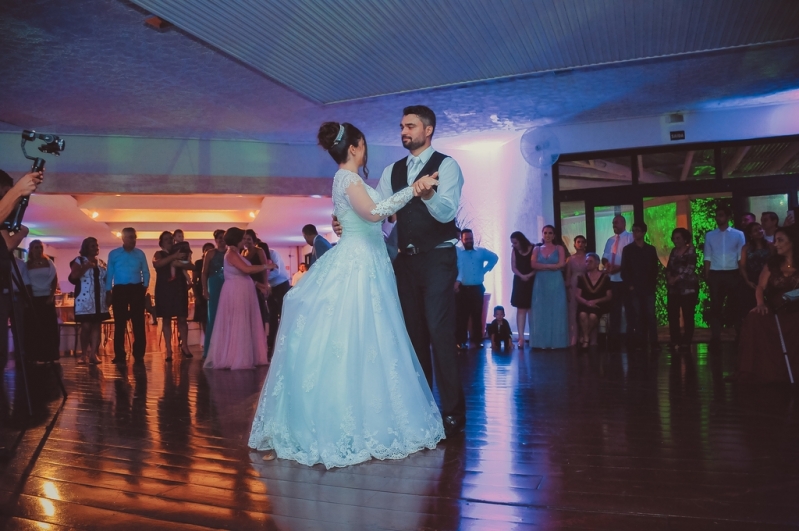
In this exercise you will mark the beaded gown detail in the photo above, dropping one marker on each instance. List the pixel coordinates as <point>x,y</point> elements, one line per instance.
<point>345,384</point>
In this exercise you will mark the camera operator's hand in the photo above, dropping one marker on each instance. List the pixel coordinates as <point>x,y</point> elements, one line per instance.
<point>28,183</point>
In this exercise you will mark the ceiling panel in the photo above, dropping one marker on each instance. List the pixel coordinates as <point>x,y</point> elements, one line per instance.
<point>352,49</point>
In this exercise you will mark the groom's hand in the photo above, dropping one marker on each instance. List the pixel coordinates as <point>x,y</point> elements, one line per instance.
<point>425,187</point>
<point>337,227</point>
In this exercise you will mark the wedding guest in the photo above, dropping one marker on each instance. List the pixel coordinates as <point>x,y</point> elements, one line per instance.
<point>319,245</point>
<point>761,358</point>
<point>722,250</point>
<point>239,341</point>
<point>499,330</point>
<point>549,327</point>
<point>612,261</point>
<point>279,285</point>
<point>522,296</point>
<point>593,292</point>
<point>575,266</point>
<point>257,256</point>
<point>200,302</point>
<point>171,294</point>
<point>473,264</point>
<point>746,219</point>
<point>754,256</point>
<point>181,246</point>
<point>126,286</point>
<point>213,278</point>
<point>683,286</point>
<point>88,274</point>
<point>41,320</point>
<point>770,222</point>
<point>639,271</point>
<point>299,274</point>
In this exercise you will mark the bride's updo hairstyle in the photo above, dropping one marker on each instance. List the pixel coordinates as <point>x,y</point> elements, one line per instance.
<point>337,138</point>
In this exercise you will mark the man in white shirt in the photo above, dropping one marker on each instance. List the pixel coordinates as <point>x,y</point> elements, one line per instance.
<point>722,251</point>
<point>473,264</point>
<point>299,274</point>
<point>611,260</point>
<point>770,223</point>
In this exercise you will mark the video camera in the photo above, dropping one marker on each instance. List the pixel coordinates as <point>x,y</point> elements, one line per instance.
<point>53,146</point>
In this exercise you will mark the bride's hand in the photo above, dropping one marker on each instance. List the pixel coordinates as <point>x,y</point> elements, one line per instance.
<point>424,186</point>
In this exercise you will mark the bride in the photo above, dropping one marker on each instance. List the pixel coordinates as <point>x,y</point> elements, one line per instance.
<point>345,384</point>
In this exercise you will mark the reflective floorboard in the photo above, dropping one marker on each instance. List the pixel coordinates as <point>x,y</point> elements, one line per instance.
<point>555,440</point>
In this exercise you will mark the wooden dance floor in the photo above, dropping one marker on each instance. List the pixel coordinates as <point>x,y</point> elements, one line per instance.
<point>555,440</point>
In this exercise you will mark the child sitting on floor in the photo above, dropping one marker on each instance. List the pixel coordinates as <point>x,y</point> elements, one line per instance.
<point>499,330</point>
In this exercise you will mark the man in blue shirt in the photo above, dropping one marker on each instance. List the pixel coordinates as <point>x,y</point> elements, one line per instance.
<point>126,282</point>
<point>319,245</point>
<point>473,264</point>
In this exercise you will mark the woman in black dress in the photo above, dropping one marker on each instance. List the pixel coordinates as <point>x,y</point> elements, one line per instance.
<point>754,257</point>
<point>200,302</point>
<point>593,295</point>
<point>683,288</point>
<point>257,256</point>
<point>522,295</point>
<point>171,294</point>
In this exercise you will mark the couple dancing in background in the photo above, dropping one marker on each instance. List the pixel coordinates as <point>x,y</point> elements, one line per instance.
<point>352,371</point>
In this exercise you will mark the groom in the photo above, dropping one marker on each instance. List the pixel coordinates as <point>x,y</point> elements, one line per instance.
<point>427,264</point>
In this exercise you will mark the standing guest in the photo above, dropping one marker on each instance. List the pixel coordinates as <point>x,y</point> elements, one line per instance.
<point>257,256</point>
<point>746,219</point>
<point>126,286</point>
<point>683,285</point>
<point>171,294</point>
<point>41,320</point>
<point>473,264</point>
<point>754,256</point>
<point>593,292</point>
<point>213,278</point>
<point>239,341</point>
<point>279,285</point>
<point>639,271</point>
<point>181,246</point>
<point>550,324</point>
<point>200,302</point>
<point>88,274</point>
<point>575,266</point>
<point>612,260</point>
<point>522,296</point>
<point>499,330</point>
<point>319,245</point>
<point>299,274</point>
<point>722,250</point>
<point>761,358</point>
<point>770,223</point>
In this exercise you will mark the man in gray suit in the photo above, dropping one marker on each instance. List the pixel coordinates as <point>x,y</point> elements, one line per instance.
<point>320,245</point>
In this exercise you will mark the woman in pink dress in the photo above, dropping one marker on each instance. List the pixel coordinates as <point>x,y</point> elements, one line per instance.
<point>238,341</point>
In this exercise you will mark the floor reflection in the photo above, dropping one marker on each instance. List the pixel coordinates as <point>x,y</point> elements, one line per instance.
<point>615,440</point>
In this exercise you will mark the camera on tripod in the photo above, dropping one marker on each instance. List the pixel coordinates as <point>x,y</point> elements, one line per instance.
<point>53,145</point>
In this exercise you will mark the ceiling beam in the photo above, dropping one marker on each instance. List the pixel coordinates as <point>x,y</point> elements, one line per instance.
<point>782,159</point>
<point>94,183</point>
<point>735,161</point>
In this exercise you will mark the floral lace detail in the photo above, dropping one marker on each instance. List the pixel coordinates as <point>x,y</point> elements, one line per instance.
<point>345,178</point>
<point>300,324</point>
<point>278,386</point>
<point>309,382</point>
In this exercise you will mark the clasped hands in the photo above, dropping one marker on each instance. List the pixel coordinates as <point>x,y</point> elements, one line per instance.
<point>424,187</point>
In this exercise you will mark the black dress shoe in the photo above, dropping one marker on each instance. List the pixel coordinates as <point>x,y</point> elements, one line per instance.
<point>453,426</point>
<point>118,360</point>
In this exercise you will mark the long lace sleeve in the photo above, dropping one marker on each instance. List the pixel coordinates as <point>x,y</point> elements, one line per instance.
<point>391,205</point>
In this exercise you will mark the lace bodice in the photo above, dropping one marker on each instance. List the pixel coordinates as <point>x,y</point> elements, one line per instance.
<point>343,209</point>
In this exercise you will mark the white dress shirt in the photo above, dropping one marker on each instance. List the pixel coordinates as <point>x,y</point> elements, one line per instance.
<point>444,204</point>
<point>625,239</point>
<point>723,248</point>
<point>279,275</point>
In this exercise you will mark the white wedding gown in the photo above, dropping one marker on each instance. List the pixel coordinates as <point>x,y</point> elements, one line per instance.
<point>345,384</point>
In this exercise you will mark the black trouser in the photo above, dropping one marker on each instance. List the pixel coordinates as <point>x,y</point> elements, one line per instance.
<point>621,299</point>
<point>687,304</point>
<point>642,323</point>
<point>426,286</point>
<point>724,285</point>
<point>470,305</point>
<point>128,303</point>
<point>275,304</point>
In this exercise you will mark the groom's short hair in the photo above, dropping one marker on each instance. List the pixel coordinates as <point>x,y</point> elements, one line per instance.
<point>425,114</point>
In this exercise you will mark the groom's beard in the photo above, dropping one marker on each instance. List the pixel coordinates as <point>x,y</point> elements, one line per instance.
<point>409,144</point>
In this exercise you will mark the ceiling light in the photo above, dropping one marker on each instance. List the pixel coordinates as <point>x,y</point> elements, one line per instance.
<point>95,214</point>
<point>119,234</point>
<point>316,197</point>
<point>252,215</point>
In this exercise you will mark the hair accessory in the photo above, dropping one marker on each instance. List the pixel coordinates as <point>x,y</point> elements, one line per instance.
<point>340,134</point>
